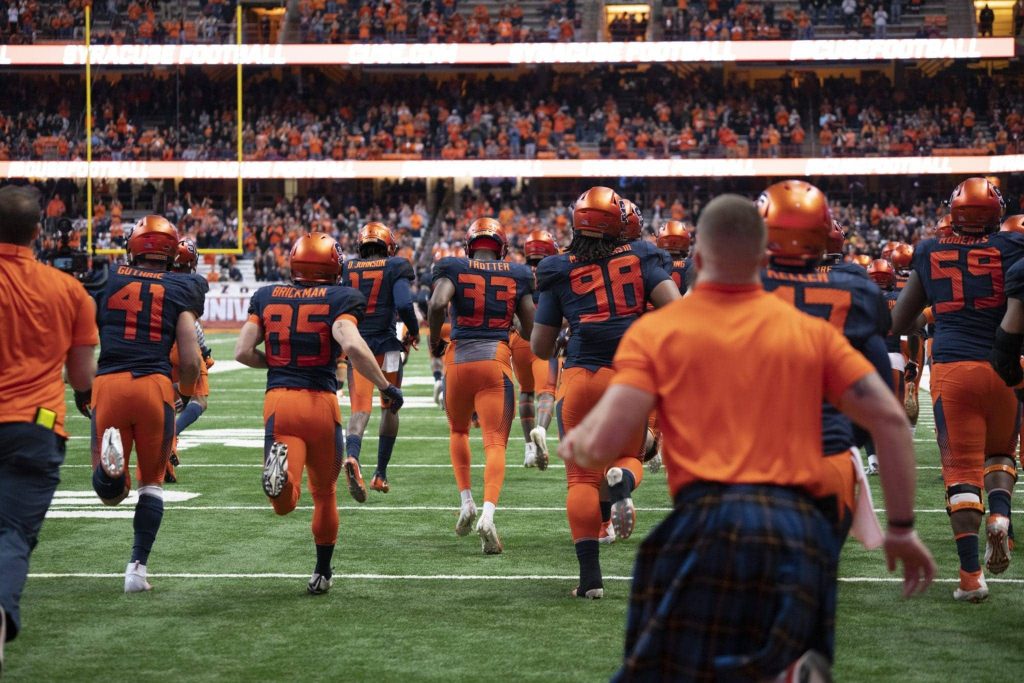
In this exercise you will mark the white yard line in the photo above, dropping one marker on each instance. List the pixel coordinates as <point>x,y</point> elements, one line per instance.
<point>427,577</point>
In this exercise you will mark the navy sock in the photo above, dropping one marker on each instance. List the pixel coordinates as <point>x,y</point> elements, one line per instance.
<point>384,448</point>
<point>105,487</point>
<point>606,511</point>
<point>353,445</point>
<point>191,413</point>
<point>324,553</point>
<point>625,487</point>
<point>587,552</point>
<point>149,511</point>
<point>967,549</point>
<point>999,502</point>
<point>437,375</point>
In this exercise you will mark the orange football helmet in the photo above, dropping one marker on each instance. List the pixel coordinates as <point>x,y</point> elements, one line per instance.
<point>944,227</point>
<point>881,271</point>
<point>976,207</point>
<point>1013,223</point>
<point>378,233</point>
<point>634,225</point>
<point>599,213</point>
<point>674,237</point>
<point>836,239</point>
<point>798,219</point>
<point>862,260</point>
<point>901,257</point>
<point>486,233</point>
<point>152,235</point>
<point>888,248</point>
<point>187,257</point>
<point>539,244</point>
<point>316,257</point>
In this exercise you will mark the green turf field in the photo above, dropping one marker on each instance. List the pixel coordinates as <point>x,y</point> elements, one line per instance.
<point>412,602</point>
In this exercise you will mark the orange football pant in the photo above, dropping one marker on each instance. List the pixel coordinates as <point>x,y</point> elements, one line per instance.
<point>142,409</point>
<point>484,386</point>
<point>578,393</point>
<point>976,415</point>
<point>309,422</point>
<point>202,385</point>
<point>360,389</point>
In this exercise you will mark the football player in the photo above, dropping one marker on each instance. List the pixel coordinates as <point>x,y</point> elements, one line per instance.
<point>835,244</point>
<point>799,223</point>
<point>883,274</point>
<point>142,311</point>
<point>304,326</point>
<point>186,259</point>
<point>531,372</point>
<point>600,287</point>
<point>674,238</point>
<point>964,278</point>
<point>437,364</point>
<point>386,282</point>
<point>901,258</point>
<point>485,294</point>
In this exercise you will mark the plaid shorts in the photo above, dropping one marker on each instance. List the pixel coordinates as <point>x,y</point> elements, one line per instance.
<point>734,585</point>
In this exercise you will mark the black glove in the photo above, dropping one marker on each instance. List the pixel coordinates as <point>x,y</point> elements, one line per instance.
<point>182,401</point>
<point>437,348</point>
<point>910,374</point>
<point>1005,357</point>
<point>82,401</point>
<point>394,395</point>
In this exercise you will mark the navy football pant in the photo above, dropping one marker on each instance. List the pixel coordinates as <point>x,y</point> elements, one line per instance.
<point>30,460</point>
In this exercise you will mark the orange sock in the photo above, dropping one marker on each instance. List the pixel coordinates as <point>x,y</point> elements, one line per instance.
<point>459,449</point>
<point>583,506</point>
<point>325,518</point>
<point>494,473</point>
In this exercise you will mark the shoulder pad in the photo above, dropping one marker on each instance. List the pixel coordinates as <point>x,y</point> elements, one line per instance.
<point>347,300</point>
<point>551,271</point>
<point>400,268</point>
<point>448,268</point>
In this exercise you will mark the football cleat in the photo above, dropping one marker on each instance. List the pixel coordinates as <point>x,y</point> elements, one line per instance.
<point>811,667</point>
<point>467,515</point>
<point>972,587</point>
<point>607,534</point>
<point>530,456</point>
<point>654,464</point>
<point>872,468</point>
<point>623,510</point>
<point>438,392</point>
<point>135,578</point>
<point>112,453</point>
<point>354,477</point>
<point>489,541</point>
<point>590,594</point>
<point>170,475</point>
<point>997,550</point>
<point>539,437</point>
<point>275,470</point>
<point>319,584</point>
<point>379,483</point>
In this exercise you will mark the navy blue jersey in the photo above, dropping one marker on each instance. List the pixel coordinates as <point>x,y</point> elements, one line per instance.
<point>137,312</point>
<point>296,321</point>
<point>964,279</point>
<point>680,271</point>
<point>378,279</point>
<point>849,300</point>
<point>599,298</point>
<point>487,294</point>
<point>892,341</point>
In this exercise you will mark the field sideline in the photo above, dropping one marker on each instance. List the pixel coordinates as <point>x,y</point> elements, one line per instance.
<point>412,602</point>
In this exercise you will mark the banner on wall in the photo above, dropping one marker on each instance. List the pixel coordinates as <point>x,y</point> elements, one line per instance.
<point>227,303</point>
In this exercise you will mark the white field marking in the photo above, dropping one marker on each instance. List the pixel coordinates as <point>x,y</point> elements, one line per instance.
<point>80,498</point>
<point>225,366</point>
<point>431,577</point>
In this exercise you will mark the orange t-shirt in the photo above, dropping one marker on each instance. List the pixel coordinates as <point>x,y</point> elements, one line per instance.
<point>38,303</point>
<point>787,361</point>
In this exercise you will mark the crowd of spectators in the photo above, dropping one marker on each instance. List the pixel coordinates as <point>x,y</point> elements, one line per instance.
<point>544,114</point>
<point>743,20</point>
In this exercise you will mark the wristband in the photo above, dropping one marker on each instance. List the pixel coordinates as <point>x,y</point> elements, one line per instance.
<point>901,524</point>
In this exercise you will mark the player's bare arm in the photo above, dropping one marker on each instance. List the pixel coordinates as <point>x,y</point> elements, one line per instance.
<point>246,352</point>
<point>665,293</point>
<point>524,313</point>
<point>909,306</point>
<point>871,404</point>
<point>442,295</point>
<point>346,333</point>
<point>543,339</point>
<point>191,358</point>
<point>606,429</point>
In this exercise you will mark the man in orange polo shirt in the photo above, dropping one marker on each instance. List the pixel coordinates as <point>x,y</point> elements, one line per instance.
<point>739,582</point>
<point>32,434</point>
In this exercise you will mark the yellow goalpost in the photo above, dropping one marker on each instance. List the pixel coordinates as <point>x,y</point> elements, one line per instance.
<point>88,141</point>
